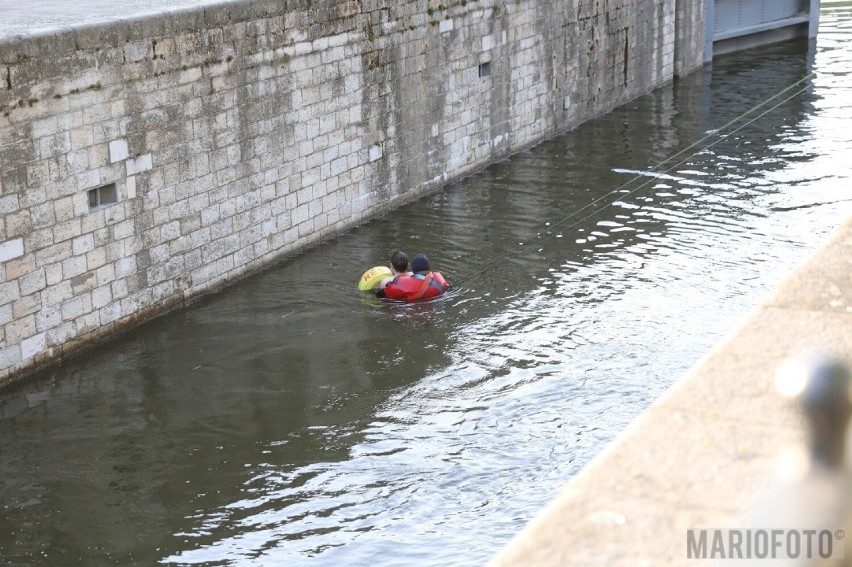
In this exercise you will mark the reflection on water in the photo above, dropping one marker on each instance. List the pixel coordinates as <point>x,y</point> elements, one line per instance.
<point>292,420</point>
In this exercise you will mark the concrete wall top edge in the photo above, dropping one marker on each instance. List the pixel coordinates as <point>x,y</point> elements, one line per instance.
<point>68,38</point>
<point>64,40</point>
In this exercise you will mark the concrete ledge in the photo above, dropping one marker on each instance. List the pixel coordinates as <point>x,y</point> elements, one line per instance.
<point>699,455</point>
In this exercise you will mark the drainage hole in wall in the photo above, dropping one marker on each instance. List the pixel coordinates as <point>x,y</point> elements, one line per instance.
<point>102,196</point>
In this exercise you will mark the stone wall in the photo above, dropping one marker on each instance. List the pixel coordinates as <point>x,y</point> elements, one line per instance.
<point>146,162</point>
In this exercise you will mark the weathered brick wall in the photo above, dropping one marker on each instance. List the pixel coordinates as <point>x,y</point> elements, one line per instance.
<point>240,133</point>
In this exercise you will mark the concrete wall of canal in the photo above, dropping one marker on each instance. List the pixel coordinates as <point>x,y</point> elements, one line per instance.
<point>148,161</point>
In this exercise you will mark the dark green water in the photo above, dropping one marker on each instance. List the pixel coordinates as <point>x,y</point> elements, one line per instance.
<point>291,420</point>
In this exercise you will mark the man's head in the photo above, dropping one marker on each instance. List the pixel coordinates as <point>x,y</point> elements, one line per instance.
<point>420,263</point>
<point>399,261</point>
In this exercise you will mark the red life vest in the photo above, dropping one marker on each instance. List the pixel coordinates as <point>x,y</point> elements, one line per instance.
<point>416,286</point>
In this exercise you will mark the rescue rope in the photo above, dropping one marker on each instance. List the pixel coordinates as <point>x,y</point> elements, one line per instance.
<point>718,133</point>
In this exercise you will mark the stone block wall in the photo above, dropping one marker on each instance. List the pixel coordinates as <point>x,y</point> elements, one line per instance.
<point>146,162</point>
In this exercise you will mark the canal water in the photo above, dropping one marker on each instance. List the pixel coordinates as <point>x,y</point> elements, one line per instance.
<point>292,420</point>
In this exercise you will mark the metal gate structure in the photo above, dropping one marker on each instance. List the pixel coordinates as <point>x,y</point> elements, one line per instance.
<point>733,25</point>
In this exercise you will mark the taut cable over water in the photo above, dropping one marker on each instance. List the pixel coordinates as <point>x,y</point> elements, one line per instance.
<point>716,136</point>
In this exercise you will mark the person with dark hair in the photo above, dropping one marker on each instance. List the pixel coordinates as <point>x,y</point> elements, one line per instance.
<point>422,283</point>
<point>399,262</point>
<point>399,267</point>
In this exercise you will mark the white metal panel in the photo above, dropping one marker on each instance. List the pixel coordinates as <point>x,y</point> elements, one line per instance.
<point>731,15</point>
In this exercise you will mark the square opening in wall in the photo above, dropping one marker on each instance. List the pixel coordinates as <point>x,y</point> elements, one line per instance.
<point>102,196</point>
<point>485,69</point>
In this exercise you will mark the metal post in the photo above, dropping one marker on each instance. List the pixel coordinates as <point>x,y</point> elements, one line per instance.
<point>813,22</point>
<point>710,27</point>
<point>827,406</point>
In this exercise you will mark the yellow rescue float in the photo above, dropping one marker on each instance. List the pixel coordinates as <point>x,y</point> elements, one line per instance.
<point>373,277</point>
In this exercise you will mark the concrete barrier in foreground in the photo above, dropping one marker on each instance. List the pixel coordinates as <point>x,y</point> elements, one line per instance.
<point>700,455</point>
